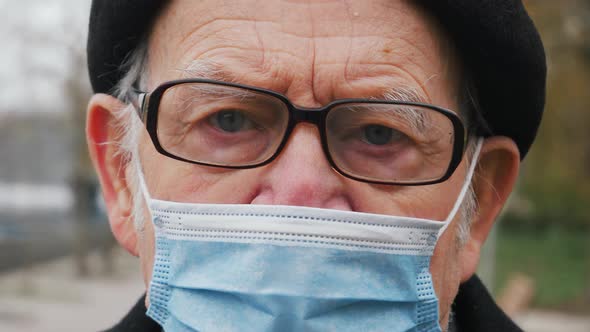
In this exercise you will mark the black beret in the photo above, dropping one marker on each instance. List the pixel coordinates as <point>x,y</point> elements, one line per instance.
<point>496,40</point>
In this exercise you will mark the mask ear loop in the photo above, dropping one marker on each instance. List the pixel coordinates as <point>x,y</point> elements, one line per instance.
<point>141,180</point>
<point>137,103</point>
<point>464,189</point>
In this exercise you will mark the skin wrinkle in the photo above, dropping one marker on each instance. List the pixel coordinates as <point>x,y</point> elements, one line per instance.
<point>263,55</point>
<point>232,76</point>
<point>221,49</point>
<point>423,50</point>
<point>422,86</point>
<point>204,69</point>
<point>260,44</point>
<point>198,179</point>
<point>348,56</point>
<point>196,32</point>
<point>208,69</point>
<point>323,63</point>
<point>312,76</point>
<point>413,116</point>
<point>207,24</point>
<point>426,98</point>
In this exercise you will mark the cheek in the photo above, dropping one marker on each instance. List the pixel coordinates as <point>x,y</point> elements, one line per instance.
<point>173,180</point>
<point>445,272</point>
<point>418,202</point>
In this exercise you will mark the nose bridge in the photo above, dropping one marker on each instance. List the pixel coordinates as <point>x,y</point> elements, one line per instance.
<point>302,175</point>
<point>304,119</point>
<point>309,115</point>
<point>304,144</point>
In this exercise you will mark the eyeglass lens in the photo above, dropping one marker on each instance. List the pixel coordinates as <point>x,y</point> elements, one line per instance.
<point>231,126</point>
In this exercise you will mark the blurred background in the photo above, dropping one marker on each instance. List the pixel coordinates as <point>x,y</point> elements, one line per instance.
<point>60,269</point>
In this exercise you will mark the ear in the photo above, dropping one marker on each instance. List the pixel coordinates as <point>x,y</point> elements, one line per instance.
<point>103,143</point>
<point>494,180</point>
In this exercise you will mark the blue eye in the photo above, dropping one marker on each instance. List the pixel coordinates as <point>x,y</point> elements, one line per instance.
<point>377,134</point>
<point>229,121</point>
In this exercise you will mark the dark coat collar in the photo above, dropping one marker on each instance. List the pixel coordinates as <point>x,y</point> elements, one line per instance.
<point>475,311</point>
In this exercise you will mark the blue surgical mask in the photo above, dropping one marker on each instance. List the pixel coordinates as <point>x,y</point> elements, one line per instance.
<point>221,267</point>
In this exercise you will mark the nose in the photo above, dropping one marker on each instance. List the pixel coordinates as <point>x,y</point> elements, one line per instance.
<point>302,176</point>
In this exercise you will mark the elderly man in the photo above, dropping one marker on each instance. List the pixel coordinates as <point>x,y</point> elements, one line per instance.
<point>311,165</point>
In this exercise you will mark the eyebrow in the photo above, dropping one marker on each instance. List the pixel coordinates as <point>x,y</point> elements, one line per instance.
<point>418,121</point>
<point>404,93</point>
<point>207,69</point>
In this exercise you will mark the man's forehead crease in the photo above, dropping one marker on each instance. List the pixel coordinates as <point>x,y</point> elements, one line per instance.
<point>212,70</point>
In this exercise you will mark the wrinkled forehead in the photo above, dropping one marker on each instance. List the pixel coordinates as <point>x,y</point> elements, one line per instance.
<point>275,44</point>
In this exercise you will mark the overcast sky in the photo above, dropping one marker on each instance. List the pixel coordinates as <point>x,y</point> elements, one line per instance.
<point>38,38</point>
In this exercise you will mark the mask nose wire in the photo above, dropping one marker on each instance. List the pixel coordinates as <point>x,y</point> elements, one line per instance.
<point>465,187</point>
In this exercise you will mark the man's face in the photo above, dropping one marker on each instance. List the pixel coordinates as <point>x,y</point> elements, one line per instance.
<point>314,53</point>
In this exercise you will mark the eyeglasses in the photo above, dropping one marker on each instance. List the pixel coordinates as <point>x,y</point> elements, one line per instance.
<point>236,126</point>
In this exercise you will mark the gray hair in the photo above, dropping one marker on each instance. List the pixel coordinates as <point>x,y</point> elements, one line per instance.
<point>129,125</point>
<point>129,128</point>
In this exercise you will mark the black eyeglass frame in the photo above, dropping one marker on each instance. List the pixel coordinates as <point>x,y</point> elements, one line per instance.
<point>147,105</point>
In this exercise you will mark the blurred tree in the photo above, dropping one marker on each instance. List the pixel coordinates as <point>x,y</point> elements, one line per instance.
<point>82,180</point>
<point>557,171</point>
<point>52,51</point>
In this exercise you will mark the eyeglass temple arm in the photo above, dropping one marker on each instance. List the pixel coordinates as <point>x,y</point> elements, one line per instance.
<point>140,100</point>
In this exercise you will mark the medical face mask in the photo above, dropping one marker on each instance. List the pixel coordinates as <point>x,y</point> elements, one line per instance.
<point>221,267</point>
